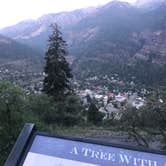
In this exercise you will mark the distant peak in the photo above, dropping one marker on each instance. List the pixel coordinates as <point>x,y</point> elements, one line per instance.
<point>117,3</point>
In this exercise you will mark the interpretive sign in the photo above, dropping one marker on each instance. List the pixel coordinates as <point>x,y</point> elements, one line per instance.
<point>38,149</point>
<point>52,151</point>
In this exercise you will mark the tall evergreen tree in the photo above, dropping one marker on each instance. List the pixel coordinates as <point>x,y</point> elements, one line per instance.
<point>58,73</point>
<point>93,114</point>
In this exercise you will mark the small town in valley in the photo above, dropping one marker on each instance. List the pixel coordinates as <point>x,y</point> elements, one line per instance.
<point>110,101</point>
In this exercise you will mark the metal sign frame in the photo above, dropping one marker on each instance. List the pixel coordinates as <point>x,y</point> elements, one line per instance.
<point>32,133</point>
<point>20,146</point>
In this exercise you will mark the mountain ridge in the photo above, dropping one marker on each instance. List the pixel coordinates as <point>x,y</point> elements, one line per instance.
<point>31,30</point>
<point>115,38</point>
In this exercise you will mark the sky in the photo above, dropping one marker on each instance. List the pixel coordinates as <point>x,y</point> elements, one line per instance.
<point>14,11</point>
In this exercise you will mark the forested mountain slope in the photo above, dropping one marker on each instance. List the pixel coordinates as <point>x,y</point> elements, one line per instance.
<point>117,38</point>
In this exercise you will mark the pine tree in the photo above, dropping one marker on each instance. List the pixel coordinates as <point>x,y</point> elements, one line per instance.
<point>93,114</point>
<point>57,71</point>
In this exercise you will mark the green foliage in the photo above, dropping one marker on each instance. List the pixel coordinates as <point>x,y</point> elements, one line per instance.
<point>154,115</point>
<point>42,106</point>
<point>11,101</point>
<point>73,110</point>
<point>58,73</point>
<point>68,112</point>
<point>93,115</point>
<point>17,109</point>
<point>131,120</point>
<point>11,116</point>
<point>148,121</point>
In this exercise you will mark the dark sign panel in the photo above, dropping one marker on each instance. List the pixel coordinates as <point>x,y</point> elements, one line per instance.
<point>52,151</point>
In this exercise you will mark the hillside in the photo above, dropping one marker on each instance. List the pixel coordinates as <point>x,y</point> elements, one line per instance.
<point>14,55</point>
<point>35,32</point>
<point>13,50</point>
<point>117,38</point>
